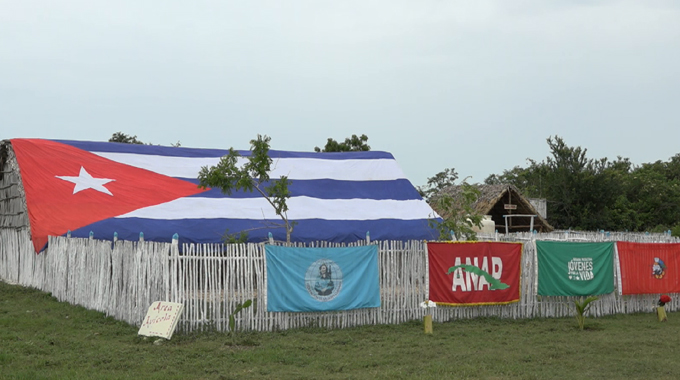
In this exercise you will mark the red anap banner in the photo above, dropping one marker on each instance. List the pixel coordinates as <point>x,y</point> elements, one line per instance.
<point>474,273</point>
<point>649,268</point>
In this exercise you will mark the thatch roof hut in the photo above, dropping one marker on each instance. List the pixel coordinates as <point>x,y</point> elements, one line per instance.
<point>504,203</point>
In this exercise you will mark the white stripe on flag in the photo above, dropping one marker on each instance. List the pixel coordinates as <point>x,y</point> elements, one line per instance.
<point>299,208</point>
<point>294,168</point>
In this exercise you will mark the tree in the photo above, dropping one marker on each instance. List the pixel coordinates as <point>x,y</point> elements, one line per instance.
<point>590,194</point>
<point>619,215</point>
<point>123,138</point>
<point>570,176</point>
<point>438,182</point>
<point>581,193</point>
<point>455,205</point>
<point>580,307</point>
<point>228,176</point>
<point>353,144</point>
<point>584,193</point>
<point>458,216</point>
<point>529,180</point>
<point>655,196</point>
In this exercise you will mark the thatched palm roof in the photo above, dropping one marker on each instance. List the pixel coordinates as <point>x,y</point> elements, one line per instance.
<point>492,200</point>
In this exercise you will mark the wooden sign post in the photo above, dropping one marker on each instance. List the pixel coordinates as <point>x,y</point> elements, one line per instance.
<point>161,319</point>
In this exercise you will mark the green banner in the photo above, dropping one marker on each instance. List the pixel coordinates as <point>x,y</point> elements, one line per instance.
<point>575,269</point>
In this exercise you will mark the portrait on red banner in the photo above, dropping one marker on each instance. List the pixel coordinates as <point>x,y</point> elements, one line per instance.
<point>649,268</point>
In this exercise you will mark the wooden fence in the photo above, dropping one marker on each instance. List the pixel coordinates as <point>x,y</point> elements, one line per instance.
<point>123,278</point>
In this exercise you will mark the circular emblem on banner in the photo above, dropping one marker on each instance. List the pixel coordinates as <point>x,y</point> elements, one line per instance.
<point>658,268</point>
<point>323,280</point>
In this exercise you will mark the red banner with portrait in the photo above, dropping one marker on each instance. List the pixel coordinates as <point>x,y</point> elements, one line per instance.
<point>649,268</point>
<point>474,273</point>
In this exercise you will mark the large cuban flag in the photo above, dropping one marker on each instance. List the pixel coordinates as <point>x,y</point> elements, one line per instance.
<point>108,188</point>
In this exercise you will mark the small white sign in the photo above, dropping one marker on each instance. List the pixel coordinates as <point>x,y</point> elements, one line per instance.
<point>161,319</point>
<point>508,206</point>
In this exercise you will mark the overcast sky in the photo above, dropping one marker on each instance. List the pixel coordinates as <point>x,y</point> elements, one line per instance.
<point>474,85</point>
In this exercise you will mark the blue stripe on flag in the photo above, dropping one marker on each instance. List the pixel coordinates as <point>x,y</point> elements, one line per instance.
<point>322,279</point>
<point>212,230</point>
<point>398,189</point>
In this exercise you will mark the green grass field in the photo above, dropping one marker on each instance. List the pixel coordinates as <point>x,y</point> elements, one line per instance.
<point>41,338</point>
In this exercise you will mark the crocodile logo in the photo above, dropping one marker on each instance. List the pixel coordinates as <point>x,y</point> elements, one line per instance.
<point>494,284</point>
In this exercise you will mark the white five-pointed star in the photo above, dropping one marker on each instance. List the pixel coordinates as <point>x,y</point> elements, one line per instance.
<point>85,181</point>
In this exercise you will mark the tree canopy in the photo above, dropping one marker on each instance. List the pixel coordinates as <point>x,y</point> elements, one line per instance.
<point>351,144</point>
<point>438,182</point>
<point>458,216</point>
<point>121,137</point>
<point>597,194</point>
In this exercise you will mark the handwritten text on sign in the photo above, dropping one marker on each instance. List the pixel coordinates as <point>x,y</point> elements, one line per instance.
<point>161,319</point>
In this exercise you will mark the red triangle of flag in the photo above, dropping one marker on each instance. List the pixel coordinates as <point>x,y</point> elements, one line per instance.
<point>68,188</point>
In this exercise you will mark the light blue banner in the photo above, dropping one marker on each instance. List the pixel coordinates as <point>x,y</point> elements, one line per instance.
<point>322,279</point>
